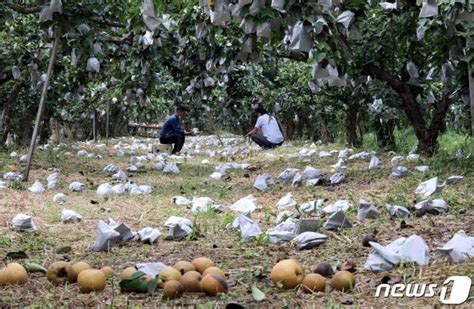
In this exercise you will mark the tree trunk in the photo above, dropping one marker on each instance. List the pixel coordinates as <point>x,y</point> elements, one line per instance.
<point>362,131</point>
<point>427,135</point>
<point>325,134</point>
<point>437,124</point>
<point>351,125</point>
<point>290,128</point>
<point>471,94</point>
<point>6,112</point>
<point>385,136</point>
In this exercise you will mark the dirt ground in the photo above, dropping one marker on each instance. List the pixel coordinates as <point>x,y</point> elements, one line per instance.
<point>245,263</point>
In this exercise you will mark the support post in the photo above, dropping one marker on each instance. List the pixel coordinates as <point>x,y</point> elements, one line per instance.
<point>107,123</point>
<point>94,131</point>
<point>44,92</point>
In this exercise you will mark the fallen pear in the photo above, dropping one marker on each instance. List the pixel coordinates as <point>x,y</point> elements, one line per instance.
<point>212,285</point>
<point>202,263</point>
<point>13,273</point>
<point>191,282</point>
<point>289,273</point>
<point>60,272</point>
<point>172,289</point>
<point>91,280</point>
<point>343,281</point>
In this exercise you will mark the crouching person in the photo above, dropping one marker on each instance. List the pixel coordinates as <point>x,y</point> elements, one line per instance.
<point>267,132</point>
<point>172,132</point>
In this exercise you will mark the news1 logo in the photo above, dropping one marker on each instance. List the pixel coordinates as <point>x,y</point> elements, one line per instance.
<point>458,290</point>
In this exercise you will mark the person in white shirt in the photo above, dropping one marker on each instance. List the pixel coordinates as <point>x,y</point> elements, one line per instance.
<point>267,132</point>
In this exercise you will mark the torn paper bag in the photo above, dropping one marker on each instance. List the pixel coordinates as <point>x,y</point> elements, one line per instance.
<point>397,211</point>
<point>23,223</point>
<point>367,210</point>
<point>245,205</point>
<point>308,240</point>
<point>148,235</point>
<point>263,182</point>
<point>460,248</point>
<point>70,216</point>
<point>336,221</point>
<point>249,229</point>
<point>105,237</point>
<point>178,227</point>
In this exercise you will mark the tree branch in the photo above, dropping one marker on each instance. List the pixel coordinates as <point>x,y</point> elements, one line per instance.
<point>412,110</point>
<point>382,75</point>
<point>293,56</point>
<point>440,111</point>
<point>98,19</point>
<point>125,40</point>
<point>23,9</point>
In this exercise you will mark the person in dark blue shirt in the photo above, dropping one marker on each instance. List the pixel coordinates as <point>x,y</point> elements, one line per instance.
<point>172,132</point>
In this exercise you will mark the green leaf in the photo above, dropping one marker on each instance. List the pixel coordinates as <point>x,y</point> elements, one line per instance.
<point>151,286</point>
<point>136,283</point>
<point>35,268</point>
<point>279,285</point>
<point>62,250</point>
<point>15,255</point>
<point>257,294</point>
<point>136,275</point>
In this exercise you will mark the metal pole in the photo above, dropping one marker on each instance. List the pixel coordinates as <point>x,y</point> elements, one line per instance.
<point>94,136</point>
<point>107,123</point>
<point>52,59</point>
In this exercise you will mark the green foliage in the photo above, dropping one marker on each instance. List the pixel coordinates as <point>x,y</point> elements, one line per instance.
<point>139,283</point>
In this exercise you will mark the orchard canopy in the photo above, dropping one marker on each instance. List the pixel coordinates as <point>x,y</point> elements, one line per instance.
<point>328,69</point>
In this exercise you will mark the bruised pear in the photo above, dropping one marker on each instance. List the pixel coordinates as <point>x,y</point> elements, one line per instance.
<point>289,273</point>
<point>13,273</point>
<point>60,272</point>
<point>350,266</point>
<point>343,281</point>
<point>215,271</point>
<point>314,283</point>
<point>183,267</point>
<point>212,284</point>
<point>91,280</point>
<point>324,269</point>
<point>191,282</point>
<point>202,263</point>
<point>172,289</point>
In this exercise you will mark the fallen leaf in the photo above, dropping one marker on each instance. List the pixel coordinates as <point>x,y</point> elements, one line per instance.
<point>62,250</point>
<point>15,255</point>
<point>35,268</point>
<point>257,294</point>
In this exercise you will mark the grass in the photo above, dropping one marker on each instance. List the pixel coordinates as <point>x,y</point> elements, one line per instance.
<point>245,263</point>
